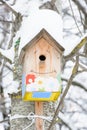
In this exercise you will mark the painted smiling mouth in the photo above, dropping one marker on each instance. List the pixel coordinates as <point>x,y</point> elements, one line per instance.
<point>44,72</point>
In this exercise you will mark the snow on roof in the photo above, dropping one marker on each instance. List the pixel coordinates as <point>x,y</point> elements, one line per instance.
<point>36,21</point>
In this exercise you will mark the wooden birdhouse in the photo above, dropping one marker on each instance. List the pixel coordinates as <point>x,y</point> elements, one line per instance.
<point>41,60</point>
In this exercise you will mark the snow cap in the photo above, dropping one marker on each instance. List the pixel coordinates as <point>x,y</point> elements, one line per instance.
<point>38,19</point>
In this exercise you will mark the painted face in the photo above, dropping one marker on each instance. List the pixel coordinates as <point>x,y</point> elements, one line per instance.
<point>30,78</point>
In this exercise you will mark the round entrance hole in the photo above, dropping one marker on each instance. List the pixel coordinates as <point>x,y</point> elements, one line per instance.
<point>42,57</point>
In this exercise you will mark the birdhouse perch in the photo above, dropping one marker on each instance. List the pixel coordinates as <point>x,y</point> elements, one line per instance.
<point>41,61</point>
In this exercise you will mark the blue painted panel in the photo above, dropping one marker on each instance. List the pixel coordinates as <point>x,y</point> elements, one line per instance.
<point>41,94</point>
<point>23,85</point>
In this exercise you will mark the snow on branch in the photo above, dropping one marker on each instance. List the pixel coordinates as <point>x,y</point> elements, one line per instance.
<point>8,54</point>
<point>66,122</point>
<point>75,83</point>
<point>81,5</point>
<point>76,49</point>
<point>76,102</point>
<point>11,9</point>
<point>82,66</point>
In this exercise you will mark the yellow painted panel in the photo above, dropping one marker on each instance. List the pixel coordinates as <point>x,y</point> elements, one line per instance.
<point>29,97</point>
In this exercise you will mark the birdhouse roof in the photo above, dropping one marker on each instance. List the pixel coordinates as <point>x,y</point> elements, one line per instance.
<point>38,19</point>
<point>42,34</point>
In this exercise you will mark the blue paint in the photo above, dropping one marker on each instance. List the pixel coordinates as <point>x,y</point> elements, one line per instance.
<point>23,85</point>
<point>41,94</point>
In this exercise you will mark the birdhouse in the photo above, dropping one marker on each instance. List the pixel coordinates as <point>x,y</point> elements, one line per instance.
<point>41,61</point>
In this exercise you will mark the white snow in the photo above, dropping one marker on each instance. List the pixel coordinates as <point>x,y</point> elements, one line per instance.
<point>13,87</point>
<point>36,21</point>
<point>44,1</point>
<point>21,7</point>
<point>9,54</point>
<point>25,7</point>
<point>51,21</point>
<point>1,118</point>
<point>1,127</point>
<point>46,19</point>
<point>67,120</point>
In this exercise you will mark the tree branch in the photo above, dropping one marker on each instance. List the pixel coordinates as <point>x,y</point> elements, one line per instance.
<point>76,49</point>
<point>53,2</point>
<point>76,102</point>
<point>5,21</point>
<point>49,5</point>
<point>10,8</point>
<point>75,18</point>
<point>82,66</point>
<point>75,83</point>
<point>5,30</point>
<point>81,6</point>
<point>6,120</point>
<point>74,71</point>
<point>66,122</point>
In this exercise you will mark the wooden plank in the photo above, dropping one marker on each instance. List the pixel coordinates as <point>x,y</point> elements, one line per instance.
<point>39,112</point>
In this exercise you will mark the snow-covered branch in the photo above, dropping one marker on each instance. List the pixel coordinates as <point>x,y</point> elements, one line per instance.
<point>67,122</point>
<point>77,103</point>
<point>75,83</point>
<point>9,7</point>
<point>8,54</point>
<point>76,49</point>
<point>81,5</point>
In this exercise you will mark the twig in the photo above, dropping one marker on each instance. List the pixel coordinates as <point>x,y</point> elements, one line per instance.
<point>82,7</point>
<point>53,2</point>
<point>82,54</point>
<point>76,102</point>
<point>5,21</point>
<point>13,3</point>
<point>49,5</point>
<point>6,58</point>
<point>75,18</point>
<point>82,21</point>
<point>4,120</point>
<point>64,119</point>
<point>82,66</point>
<point>76,83</point>
<point>1,65</point>
<point>5,30</point>
<point>74,71</point>
<point>66,124</point>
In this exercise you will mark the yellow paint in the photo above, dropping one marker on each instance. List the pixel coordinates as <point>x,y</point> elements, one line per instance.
<point>40,82</point>
<point>54,96</point>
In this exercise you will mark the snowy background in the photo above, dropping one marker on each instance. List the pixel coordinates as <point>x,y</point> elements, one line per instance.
<point>74,112</point>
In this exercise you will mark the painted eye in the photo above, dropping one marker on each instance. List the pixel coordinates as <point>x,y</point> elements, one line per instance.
<point>30,80</point>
